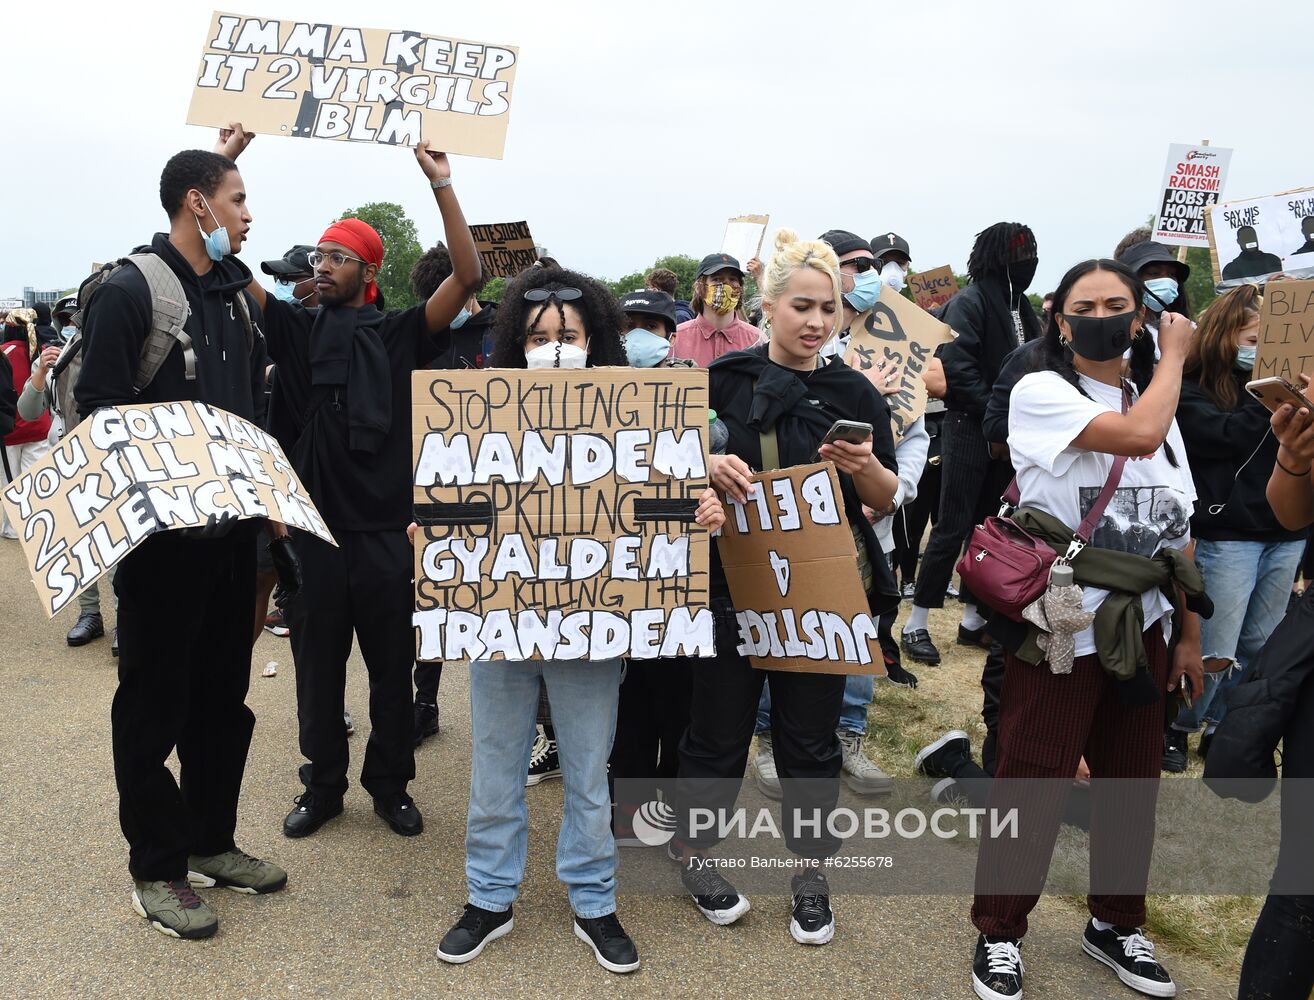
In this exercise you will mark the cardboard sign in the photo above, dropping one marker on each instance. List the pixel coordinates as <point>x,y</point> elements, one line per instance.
<point>127,472</point>
<point>743,237</point>
<point>304,79</point>
<point>790,561</point>
<point>506,248</point>
<point>1192,184</point>
<point>895,330</point>
<point>1253,239</point>
<point>932,289</point>
<point>1286,331</point>
<point>555,512</point>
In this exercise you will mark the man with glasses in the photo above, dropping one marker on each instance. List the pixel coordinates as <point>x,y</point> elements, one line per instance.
<point>718,328</point>
<point>344,375</point>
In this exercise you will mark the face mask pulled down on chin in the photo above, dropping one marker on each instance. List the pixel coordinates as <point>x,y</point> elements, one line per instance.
<point>557,355</point>
<point>1100,338</point>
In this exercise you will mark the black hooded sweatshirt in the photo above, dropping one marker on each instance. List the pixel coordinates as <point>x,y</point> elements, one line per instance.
<point>467,350</point>
<point>229,374</point>
<point>981,318</point>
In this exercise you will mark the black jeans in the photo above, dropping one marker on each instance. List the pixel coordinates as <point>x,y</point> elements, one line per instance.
<point>911,519</point>
<point>651,717</point>
<point>185,613</point>
<point>364,586</point>
<point>427,678</point>
<point>970,486</point>
<point>805,712</point>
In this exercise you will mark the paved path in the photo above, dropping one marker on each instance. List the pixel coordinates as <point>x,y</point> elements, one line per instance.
<point>364,908</point>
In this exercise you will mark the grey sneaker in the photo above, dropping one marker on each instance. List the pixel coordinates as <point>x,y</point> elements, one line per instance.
<point>174,909</point>
<point>859,772</point>
<point>235,870</point>
<point>764,767</point>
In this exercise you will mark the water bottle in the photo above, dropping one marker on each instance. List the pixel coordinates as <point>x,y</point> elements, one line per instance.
<point>718,433</point>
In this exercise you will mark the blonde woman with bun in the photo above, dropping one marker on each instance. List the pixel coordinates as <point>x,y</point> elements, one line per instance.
<point>782,390</point>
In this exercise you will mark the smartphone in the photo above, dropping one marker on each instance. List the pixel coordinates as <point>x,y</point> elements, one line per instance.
<point>852,431</point>
<point>1273,392</point>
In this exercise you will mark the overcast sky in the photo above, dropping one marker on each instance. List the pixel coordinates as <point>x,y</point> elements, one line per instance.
<point>636,129</point>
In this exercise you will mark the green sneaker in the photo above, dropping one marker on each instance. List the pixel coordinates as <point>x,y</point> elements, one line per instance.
<point>235,870</point>
<point>174,909</point>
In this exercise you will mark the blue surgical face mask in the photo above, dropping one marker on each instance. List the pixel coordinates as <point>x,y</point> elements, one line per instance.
<point>646,349</point>
<point>217,244</point>
<point>459,320</point>
<point>285,291</point>
<point>1160,293</point>
<point>1245,357</point>
<point>866,290</point>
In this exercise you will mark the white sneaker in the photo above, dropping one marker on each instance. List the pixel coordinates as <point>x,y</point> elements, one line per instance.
<point>859,772</point>
<point>764,767</point>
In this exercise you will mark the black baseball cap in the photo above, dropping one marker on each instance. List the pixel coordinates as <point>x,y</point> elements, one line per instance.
<point>888,243</point>
<point>1138,255</point>
<point>650,304</point>
<point>714,262</point>
<point>842,241</point>
<point>68,304</point>
<point>292,262</point>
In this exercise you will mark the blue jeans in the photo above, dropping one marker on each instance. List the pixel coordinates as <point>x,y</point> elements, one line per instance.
<point>1239,628</point>
<point>503,710</point>
<point>859,689</point>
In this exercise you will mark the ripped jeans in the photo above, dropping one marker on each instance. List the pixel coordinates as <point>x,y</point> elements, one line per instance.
<point>1240,627</point>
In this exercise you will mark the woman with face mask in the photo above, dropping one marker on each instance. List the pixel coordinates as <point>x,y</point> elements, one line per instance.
<point>719,326</point>
<point>780,395</point>
<point>1241,548</point>
<point>1069,420</point>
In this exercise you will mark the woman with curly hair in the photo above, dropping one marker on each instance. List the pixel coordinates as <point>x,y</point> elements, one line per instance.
<point>549,318</point>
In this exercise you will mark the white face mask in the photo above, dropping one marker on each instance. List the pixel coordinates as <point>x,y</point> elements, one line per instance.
<point>557,355</point>
<point>893,275</point>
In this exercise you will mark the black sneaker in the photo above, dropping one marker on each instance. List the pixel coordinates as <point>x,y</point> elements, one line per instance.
<point>543,762</point>
<point>612,947</point>
<point>1130,954</point>
<point>1174,750</point>
<point>1202,750</point>
<point>715,898</point>
<point>89,626</point>
<point>907,590</point>
<point>973,637</point>
<point>426,721</point>
<point>467,938</point>
<point>933,759</point>
<point>997,969</point>
<point>310,813</point>
<point>811,920</point>
<point>917,646</point>
<point>399,812</point>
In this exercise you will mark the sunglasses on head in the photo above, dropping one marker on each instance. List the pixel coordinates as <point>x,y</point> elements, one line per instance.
<point>560,294</point>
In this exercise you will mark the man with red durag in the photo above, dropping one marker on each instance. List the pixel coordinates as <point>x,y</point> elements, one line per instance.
<point>344,374</point>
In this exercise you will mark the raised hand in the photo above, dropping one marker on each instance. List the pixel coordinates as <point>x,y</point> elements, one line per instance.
<point>434,164</point>
<point>233,140</point>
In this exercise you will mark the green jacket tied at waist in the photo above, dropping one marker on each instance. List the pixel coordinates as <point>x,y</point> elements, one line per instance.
<point>1120,621</point>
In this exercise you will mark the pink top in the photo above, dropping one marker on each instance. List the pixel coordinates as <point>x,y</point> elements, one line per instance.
<point>700,342</point>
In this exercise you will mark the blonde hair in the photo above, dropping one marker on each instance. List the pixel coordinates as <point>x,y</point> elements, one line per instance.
<point>793,254</point>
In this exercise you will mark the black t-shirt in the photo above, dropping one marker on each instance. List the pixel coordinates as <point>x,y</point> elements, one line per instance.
<point>353,491</point>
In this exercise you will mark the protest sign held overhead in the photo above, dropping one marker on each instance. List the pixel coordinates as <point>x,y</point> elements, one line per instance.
<point>789,543</point>
<point>1192,184</point>
<point>1253,239</point>
<point>555,513</point>
<point>127,472</point>
<point>896,331</point>
<point>743,237</point>
<point>505,248</point>
<point>932,289</point>
<point>1286,331</point>
<point>309,80</point>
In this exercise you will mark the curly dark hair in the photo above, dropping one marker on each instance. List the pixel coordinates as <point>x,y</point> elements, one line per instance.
<point>996,245</point>
<point>192,168</point>
<point>433,268</point>
<point>601,312</point>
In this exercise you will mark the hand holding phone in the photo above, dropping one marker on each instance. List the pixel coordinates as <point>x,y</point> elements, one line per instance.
<point>1273,392</point>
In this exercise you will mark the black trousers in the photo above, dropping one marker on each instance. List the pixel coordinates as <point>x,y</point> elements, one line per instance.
<point>911,519</point>
<point>651,717</point>
<point>363,586</point>
<point>805,712</point>
<point>427,678</point>
<point>970,487</point>
<point>185,613</point>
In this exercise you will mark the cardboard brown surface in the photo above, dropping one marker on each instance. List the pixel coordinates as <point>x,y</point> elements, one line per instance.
<point>1286,331</point>
<point>127,472</point>
<point>898,331</point>
<point>1193,180</point>
<point>790,560</point>
<point>506,248</point>
<point>1279,224</point>
<point>305,79</point>
<point>934,287</point>
<point>550,506</point>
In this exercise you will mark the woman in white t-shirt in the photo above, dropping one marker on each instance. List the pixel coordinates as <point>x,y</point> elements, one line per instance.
<point>1065,426</point>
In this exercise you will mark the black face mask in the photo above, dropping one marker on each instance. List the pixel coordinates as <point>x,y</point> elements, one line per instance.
<point>1101,338</point>
<point>1020,273</point>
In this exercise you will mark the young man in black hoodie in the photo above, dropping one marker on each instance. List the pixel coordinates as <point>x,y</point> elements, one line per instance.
<point>991,318</point>
<point>186,598</point>
<point>344,371</point>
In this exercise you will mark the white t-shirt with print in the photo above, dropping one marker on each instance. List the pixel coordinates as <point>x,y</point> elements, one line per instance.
<point>1151,507</point>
